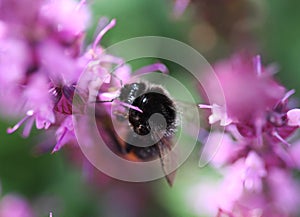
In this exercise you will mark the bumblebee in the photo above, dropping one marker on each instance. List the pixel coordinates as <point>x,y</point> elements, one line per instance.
<point>152,118</point>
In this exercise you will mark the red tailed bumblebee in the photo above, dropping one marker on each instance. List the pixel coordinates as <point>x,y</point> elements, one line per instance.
<point>152,118</point>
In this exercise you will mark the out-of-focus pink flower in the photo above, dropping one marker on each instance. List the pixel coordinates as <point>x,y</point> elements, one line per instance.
<point>12,51</point>
<point>42,59</point>
<point>210,195</point>
<point>284,190</point>
<point>38,104</point>
<point>35,59</point>
<point>254,172</point>
<point>67,17</point>
<point>15,206</point>
<point>255,157</point>
<point>220,148</point>
<point>20,18</point>
<point>242,84</point>
<point>278,195</point>
<point>294,152</point>
<point>254,101</point>
<point>61,69</point>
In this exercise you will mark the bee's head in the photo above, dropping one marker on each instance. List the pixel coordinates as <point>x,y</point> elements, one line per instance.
<point>158,112</point>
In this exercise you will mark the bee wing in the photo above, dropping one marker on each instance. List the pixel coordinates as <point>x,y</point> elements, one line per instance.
<point>168,161</point>
<point>187,110</point>
<point>189,119</point>
<point>79,101</point>
<point>167,157</point>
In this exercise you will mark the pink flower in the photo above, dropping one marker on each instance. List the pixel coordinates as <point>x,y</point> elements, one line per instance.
<point>242,83</point>
<point>60,67</point>
<point>275,193</point>
<point>41,62</point>
<point>12,51</point>
<point>20,18</point>
<point>254,172</point>
<point>15,206</point>
<point>284,190</point>
<point>43,58</point>
<point>294,152</point>
<point>220,149</point>
<point>254,154</point>
<point>40,102</point>
<point>67,17</point>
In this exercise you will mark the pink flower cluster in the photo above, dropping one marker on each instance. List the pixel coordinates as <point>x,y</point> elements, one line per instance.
<point>254,155</point>
<point>42,55</point>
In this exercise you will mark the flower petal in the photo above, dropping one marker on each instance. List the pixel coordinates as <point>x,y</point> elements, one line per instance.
<point>293,117</point>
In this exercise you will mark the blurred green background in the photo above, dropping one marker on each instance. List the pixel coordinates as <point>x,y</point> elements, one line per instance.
<point>51,182</point>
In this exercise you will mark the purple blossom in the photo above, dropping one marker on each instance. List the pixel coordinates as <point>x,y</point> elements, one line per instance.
<point>39,106</point>
<point>42,59</point>
<point>44,52</point>
<point>21,18</point>
<point>38,51</point>
<point>239,77</point>
<point>15,206</point>
<point>67,17</point>
<point>12,50</point>
<point>254,155</point>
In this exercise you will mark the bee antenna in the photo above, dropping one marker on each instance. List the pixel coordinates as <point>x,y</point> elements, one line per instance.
<point>103,101</point>
<point>127,105</point>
